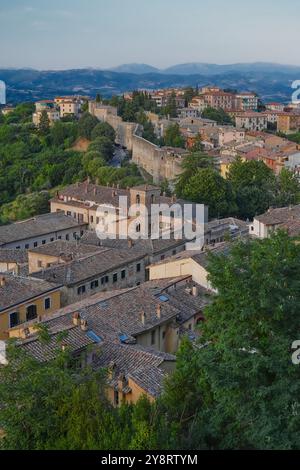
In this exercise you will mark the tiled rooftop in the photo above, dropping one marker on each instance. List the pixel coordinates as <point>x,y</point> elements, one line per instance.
<point>87,267</point>
<point>279,215</point>
<point>13,256</point>
<point>65,249</point>
<point>35,227</point>
<point>18,289</point>
<point>117,316</point>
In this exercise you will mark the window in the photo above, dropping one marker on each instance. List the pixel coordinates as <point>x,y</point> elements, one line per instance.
<point>69,213</point>
<point>47,303</point>
<point>162,257</point>
<point>35,244</point>
<point>59,238</point>
<point>18,247</point>
<point>115,277</point>
<point>81,290</point>
<point>152,198</point>
<point>74,235</point>
<point>152,337</point>
<point>13,319</point>
<point>138,268</point>
<point>97,220</point>
<point>164,334</point>
<point>138,228</point>
<point>67,237</point>
<point>92,219</point>
<point>174,252</point>
<point>102,280</point>
<point>39,263</point>
<point>138,199</point>
<point>27,246</point>
<point>43,242</point>
<point>52,239</point>
<point>123,274</point>
<point>106,279</point>
<point>31,312</point>
<point>116,397</point>
<point>94,284</point>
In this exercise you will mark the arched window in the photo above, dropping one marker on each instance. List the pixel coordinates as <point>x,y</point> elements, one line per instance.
<point>138,228</point>
<point>138,199</point>
<point>152,198</point>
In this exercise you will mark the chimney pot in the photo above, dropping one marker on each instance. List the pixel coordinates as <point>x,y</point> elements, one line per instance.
<point>195,291</point>
<point>158,311</point>
<point>143,317</point>
<point>76,318</point>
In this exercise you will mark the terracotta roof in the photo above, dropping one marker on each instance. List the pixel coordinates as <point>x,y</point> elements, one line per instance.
<point>64,248</point>
<point>139,364</point>
<point>87,267</point>
<point>117,316</point>
<point>280,215</point>
<point>36,226</point>
<point>13,256</point>
<point>18,289</point>
<point>143,247</point>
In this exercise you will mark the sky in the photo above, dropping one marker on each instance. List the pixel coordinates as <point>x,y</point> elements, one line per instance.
<point>62,34</point>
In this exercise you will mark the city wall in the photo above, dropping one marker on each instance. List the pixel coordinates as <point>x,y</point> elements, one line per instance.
<point>160,163</point>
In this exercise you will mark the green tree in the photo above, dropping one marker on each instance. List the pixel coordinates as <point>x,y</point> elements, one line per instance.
<point>208,187</point>
<point>44,124</point>
<point>249,331</point>
<point>103,129</point>
<point>173,137</point>
<point>288,189</point>
<point>189,165</point>
<point>254,185</point>
<point>58,405</point>
<point>217,115</point>
<point>103,145</point>
<point>86,124</point>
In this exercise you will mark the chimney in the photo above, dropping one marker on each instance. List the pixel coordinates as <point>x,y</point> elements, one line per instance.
<point>195,291</point>
<point>25,333</point>
<point>76,319</point>
<point>2,281</point>
<point>121,381</point>
<point>84,325</point>
<point>143,317</point>
<point>158,311</point>
<point>111,368</point>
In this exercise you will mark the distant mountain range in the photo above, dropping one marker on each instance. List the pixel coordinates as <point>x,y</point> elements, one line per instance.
<point>270,81</point>
<point>199,68</point>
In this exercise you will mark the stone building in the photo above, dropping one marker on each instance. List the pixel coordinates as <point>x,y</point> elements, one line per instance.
<point>40,230</point>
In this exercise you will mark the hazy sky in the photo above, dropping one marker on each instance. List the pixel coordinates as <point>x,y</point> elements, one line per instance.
<point>54,34</point>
